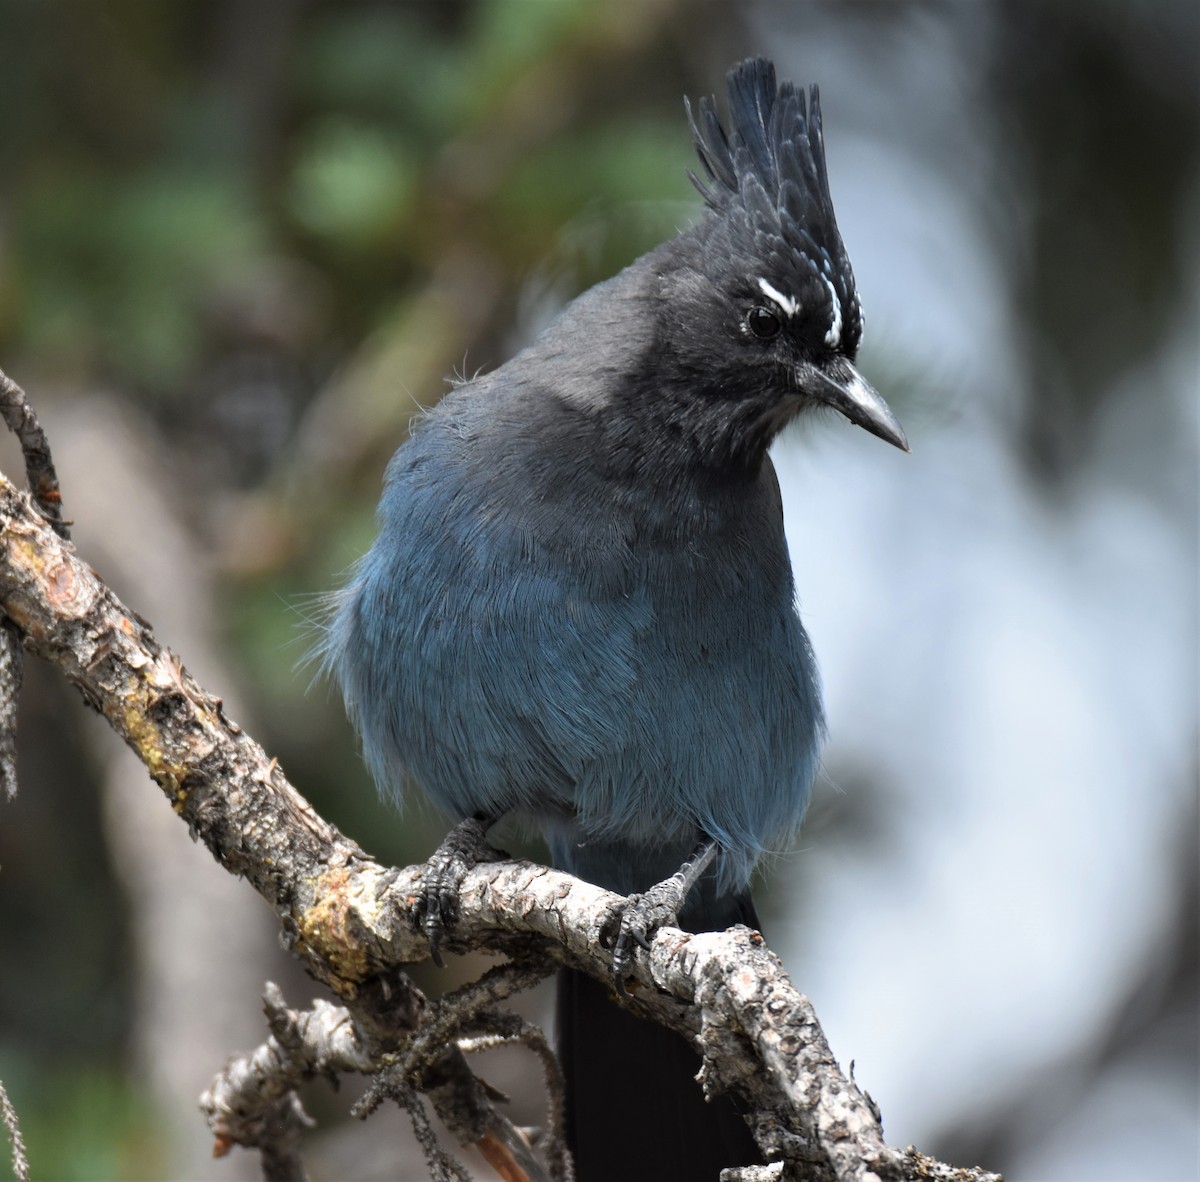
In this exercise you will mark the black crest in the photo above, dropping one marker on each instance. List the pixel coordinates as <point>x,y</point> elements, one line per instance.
<point>766,178</point>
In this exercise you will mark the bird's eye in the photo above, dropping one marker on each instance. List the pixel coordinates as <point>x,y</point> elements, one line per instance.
<point>762,322</point>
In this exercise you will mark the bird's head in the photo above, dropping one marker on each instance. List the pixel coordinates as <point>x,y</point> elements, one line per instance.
<point>763,294</point>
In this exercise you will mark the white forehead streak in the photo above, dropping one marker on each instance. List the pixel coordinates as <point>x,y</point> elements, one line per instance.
<point>834,336</point>
<point>787,304</point>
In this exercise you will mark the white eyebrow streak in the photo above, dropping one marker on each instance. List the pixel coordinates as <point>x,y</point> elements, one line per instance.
<point>834,336</point>
<point>787,304</point>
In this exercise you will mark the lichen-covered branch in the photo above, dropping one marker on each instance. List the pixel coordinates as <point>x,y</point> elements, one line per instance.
<point>348,917</point>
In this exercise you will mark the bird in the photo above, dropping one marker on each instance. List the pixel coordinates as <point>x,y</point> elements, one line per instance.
<point>579,608</point>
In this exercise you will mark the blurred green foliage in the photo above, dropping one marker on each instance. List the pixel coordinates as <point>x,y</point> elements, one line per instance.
<point>84,1122</point>
<point>169,151</point>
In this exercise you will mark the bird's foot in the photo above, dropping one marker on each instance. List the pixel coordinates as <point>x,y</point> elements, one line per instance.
<point>436,908</point>
<point>634,921</point>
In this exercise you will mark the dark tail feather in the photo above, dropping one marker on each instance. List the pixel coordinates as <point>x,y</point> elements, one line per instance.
<point>634,1109</point>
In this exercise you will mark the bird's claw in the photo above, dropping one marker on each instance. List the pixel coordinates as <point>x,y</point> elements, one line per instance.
<point>635,920</point>
<point>435,909</point>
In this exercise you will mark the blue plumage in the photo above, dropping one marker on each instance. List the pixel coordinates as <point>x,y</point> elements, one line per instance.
<point>533,637</point>
<point>579,606</point>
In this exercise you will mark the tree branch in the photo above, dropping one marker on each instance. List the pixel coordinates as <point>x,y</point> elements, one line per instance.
<point>349,918</point>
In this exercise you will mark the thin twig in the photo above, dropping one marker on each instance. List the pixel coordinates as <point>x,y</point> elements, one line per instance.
<point>12,1125</point>
<point>252,1102</point>
<point>39,466</point>
<point>12,670</point>
<point>554,1145</point>
<point>43,483</point>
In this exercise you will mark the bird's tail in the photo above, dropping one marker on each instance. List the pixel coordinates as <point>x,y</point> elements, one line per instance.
<point>634,1109</point>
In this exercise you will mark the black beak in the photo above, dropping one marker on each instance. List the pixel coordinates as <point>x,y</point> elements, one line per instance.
<point>840,385</point>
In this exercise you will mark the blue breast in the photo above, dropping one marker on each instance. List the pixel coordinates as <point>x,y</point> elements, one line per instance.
<point>530,636</point>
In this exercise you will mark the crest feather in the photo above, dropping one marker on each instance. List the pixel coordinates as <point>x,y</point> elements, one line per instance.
<point>774,136</point>
<point>764,175</point>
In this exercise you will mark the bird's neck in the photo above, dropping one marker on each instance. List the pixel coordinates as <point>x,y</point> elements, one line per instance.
<point>653,410</point>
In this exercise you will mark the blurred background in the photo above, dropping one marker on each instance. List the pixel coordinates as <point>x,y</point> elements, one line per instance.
<point>241,242</point>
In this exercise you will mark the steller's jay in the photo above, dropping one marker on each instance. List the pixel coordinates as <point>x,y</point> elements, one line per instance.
<point>579,607</point>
